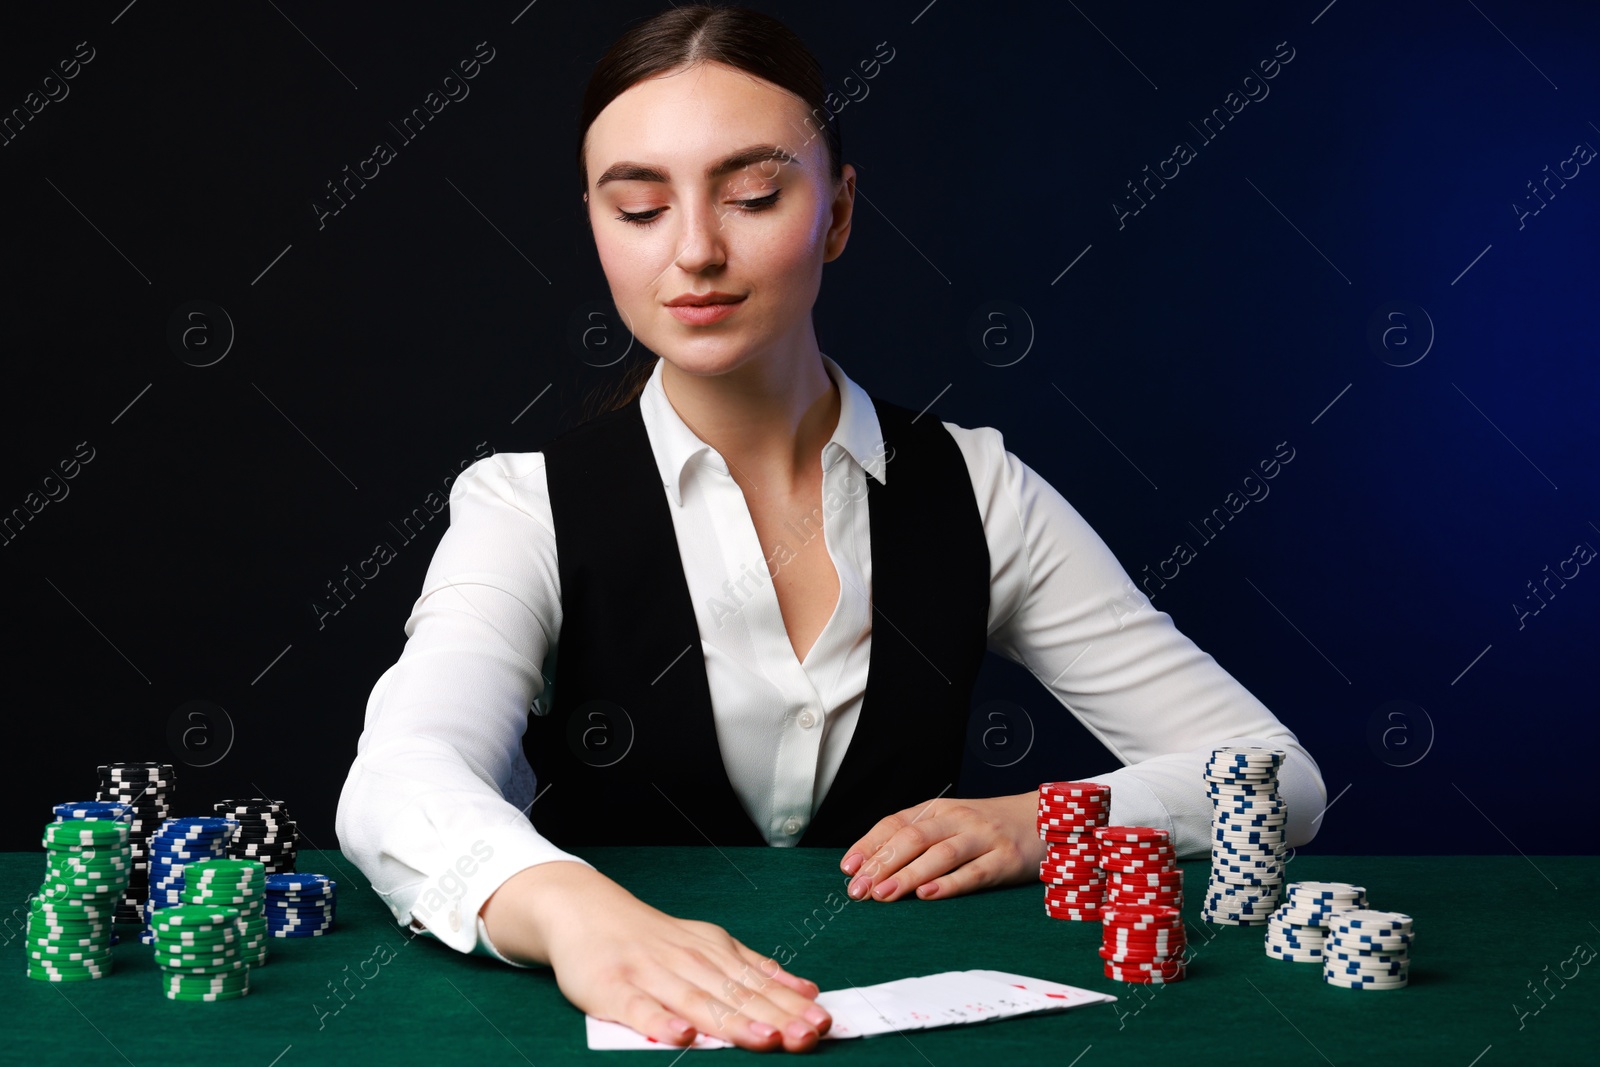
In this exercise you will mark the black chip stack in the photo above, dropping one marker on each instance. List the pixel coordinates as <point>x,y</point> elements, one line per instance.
<point>266,833</point>
<point>145,789</point>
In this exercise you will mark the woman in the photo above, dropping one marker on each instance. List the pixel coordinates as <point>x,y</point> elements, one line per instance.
<point>724,672</point>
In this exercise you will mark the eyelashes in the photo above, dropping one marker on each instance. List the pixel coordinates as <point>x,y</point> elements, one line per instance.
<point>644,219</point>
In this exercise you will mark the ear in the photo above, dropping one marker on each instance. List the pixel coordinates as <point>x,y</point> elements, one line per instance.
<point>843,208</point>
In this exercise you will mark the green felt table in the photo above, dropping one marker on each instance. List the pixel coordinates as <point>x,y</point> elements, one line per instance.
<point>1489,930</point>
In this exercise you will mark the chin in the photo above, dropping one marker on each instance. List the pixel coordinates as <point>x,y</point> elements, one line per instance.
<point>703,355</point>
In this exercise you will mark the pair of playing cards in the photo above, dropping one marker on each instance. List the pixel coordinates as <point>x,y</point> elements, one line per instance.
<point>948,999</point>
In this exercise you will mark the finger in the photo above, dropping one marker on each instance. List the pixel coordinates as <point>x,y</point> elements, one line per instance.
<point>705,1009</point>
<point>736,1001</point>
<point>859,853</point>
<point>939,858</point>
<point>907,843</point>
<point>792,994</point>
<point>979,873</point>
<point>646,1014</point>
<point>771,970</point>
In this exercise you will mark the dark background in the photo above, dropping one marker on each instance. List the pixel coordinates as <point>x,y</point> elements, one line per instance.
<point>1370,600</point>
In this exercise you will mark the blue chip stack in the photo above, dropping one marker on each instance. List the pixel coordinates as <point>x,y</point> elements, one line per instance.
<point>90,810</point>
<point>300,905</point>
<point>175,843</point>
<point>1248,818</point>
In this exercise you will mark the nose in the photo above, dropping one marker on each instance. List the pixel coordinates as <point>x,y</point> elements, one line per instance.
<point>703,238</point>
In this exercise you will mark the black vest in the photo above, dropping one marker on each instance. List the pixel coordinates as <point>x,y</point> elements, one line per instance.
<point>629,749</point>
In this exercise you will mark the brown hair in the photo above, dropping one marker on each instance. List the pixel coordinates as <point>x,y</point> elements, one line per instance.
<point>738,37</point>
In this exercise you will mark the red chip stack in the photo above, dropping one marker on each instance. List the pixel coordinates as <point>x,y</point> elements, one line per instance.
<point>1069,814</point>
<point>1141,866</point>
<point>1143,944</point>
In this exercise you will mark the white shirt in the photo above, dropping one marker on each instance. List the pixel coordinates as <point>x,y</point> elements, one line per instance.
<point>433,808</point>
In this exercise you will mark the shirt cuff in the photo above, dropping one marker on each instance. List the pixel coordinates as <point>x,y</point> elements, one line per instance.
<point>485,947</point>
<point>447,905</point>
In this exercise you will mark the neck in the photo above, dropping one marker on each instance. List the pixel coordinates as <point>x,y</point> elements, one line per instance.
<point>769,417</point>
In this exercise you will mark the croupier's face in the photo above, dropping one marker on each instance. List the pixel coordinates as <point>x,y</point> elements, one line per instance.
<point>703,179</point>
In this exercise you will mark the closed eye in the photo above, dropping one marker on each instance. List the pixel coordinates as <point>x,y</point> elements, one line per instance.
<point>647,218</point>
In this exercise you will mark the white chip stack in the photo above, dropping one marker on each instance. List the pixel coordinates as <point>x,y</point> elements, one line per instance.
<point>1247,835</point>
<point>1367,950</point>
<point>1298,929</point>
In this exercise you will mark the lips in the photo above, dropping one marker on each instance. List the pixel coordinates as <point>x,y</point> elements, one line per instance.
<point>705,313</point>
<point>703,299</point>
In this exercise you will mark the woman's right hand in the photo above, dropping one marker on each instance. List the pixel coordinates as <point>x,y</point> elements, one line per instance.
<point>618,958</point>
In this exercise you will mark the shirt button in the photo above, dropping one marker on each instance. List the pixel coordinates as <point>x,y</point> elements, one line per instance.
<point>807,720</point>
<point>792,827</point>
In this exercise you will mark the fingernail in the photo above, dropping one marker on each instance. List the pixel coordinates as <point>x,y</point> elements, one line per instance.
<point>858,888</point>
<point>799,1030</point>
<point>681,1026</point>
<point>761,1029</point>
<point>852,863</point>
<point>926,891</point>
<point>886,888</point>
<point>817,1017</point>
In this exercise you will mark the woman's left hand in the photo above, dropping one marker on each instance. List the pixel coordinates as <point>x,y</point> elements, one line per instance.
<point>947,847</point>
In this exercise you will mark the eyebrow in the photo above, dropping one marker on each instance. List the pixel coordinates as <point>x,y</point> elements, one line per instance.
<point>644,172</point>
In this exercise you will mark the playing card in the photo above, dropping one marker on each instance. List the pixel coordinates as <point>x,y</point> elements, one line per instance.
<point>1063,996</point>
<point>615,1036</point>
<point>945,999</point>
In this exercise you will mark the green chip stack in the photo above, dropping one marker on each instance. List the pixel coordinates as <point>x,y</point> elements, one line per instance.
<point>69,920</point>
<point>199,950</point>
<point>240,884</point>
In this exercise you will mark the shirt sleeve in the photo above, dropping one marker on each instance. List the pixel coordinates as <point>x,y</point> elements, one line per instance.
<point>1063,607</point>
<point>435,810</point>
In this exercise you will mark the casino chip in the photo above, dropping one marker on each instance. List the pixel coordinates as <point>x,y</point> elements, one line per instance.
<point>300,905</point>
<point>240,884</point>
<point>266,833</point>
<point>1143,944</point>
<point>174,845</point>
<point>201,952</point>
<point>1367,949</point>
<point>1297,931</point>
<point>144,789</point>
<point>1248,835</point>
<point>92,810</point>
<point>69,918</point>
<point>1069,814</point>
<point>1141,865</point>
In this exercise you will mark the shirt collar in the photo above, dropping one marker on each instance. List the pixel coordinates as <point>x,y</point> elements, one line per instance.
<point>676,446</point>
